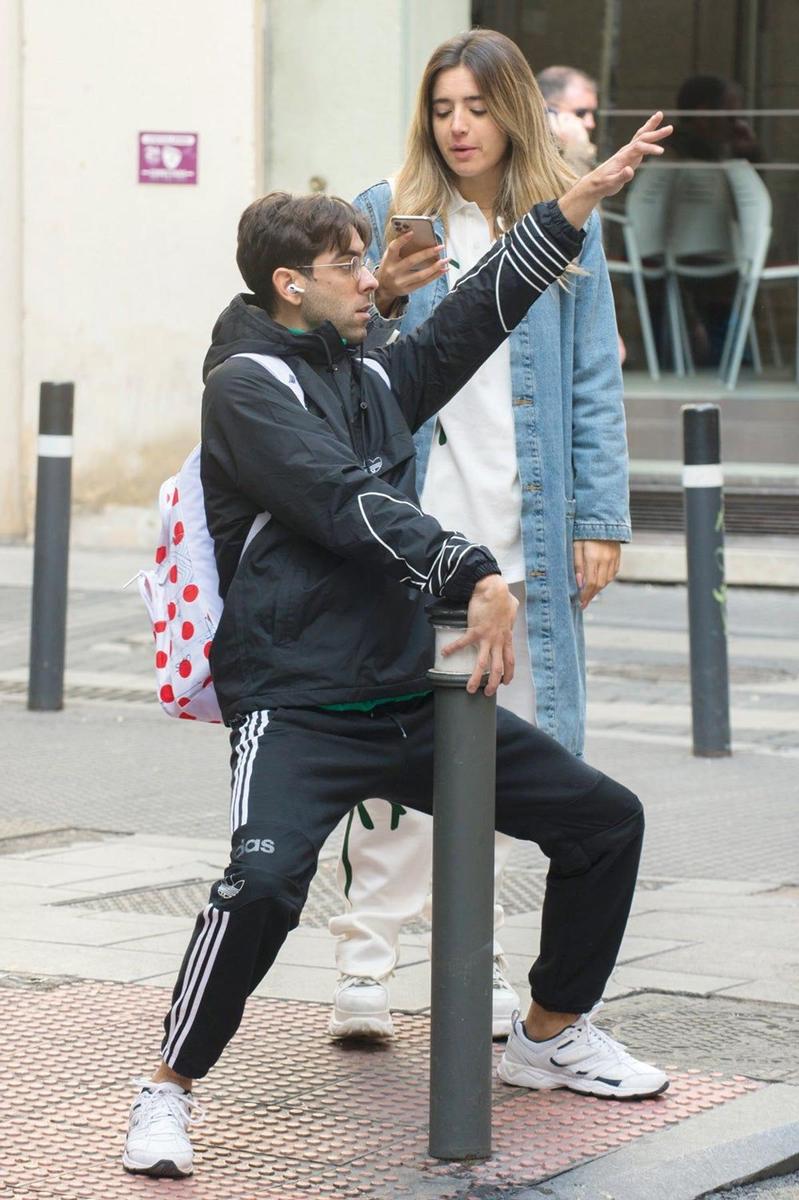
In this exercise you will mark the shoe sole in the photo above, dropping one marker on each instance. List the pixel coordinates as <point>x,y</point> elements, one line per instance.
<point>529,1077</point>
<point>165,1168</point>
<point>375,1026</point>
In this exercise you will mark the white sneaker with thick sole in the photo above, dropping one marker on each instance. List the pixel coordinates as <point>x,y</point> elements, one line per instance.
<point>581,1057</point>
<point>504,1000</point>
<point>361,1009</point>
<point>157,1142</point>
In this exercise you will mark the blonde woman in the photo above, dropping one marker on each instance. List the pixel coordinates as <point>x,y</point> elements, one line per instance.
<point>530,458</point>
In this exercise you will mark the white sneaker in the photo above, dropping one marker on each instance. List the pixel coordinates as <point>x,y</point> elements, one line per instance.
<point>582,1058</point>
<point>504,1000</point>
<point>157,1142</point>
<point>361,1008</point>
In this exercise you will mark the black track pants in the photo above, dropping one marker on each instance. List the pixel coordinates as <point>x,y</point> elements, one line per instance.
<point>297,772</point>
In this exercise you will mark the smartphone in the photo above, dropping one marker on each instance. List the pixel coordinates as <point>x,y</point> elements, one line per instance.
<point>424,235</point>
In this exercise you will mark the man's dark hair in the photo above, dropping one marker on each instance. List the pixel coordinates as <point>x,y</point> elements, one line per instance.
<point>281,230</point>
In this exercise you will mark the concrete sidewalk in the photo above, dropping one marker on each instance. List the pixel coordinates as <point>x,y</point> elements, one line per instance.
<point>113,821</point>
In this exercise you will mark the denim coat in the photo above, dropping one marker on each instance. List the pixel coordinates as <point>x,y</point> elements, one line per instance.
<point>571,449</point>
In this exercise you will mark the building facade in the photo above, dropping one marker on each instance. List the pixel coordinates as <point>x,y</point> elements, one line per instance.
<point>114,271</point>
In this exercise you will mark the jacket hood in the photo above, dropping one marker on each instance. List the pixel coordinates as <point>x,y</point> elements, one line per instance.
<point>246,328</point>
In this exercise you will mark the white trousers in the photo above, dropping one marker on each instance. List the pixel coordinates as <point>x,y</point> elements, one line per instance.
<point>386,865</point>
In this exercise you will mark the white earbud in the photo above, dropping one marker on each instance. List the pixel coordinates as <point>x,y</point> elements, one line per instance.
<point>298,291</point>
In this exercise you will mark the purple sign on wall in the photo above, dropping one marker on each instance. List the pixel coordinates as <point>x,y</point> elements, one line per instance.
<point>167,158</point>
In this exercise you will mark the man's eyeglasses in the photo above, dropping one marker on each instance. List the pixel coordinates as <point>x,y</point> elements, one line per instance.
<point>355,265</point>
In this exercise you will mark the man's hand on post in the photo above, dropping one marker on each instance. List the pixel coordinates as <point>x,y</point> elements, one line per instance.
<point>596,564</point>
<point>492,611</point>
<point>610,177</point>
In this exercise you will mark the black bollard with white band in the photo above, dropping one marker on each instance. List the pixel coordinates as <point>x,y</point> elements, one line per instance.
<point>51,547</point>
<point>703,486</point>
<point>464,783</point>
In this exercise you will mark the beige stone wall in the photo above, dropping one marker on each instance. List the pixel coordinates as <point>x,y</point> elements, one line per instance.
<point>12,514</point>
<point>115,284</point>
<point>341,78</point>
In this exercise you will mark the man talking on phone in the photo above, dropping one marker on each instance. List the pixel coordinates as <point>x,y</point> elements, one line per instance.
<point>572,102</point>
<point>320,658</point>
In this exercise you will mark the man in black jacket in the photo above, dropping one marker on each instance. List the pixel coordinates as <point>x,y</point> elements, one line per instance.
<point>321,655</point>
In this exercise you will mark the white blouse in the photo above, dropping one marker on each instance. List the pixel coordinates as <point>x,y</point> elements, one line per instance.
<point>472,482</point>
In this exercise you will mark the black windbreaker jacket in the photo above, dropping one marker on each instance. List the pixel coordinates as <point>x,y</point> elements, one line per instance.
<point>327,603</point>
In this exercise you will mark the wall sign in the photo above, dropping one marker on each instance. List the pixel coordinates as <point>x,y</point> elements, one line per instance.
<point>167,158</point>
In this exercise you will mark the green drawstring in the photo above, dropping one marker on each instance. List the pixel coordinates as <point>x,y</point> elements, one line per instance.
<point>397,811</point>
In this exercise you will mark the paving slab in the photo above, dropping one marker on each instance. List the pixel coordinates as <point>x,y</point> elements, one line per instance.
<point>127,854</point>
<point>777,991</point>
<point>642,978</point>
<point>749,960</point>
<point>72,927</point>
<point>733,924</point>
<point>122,881</point>
<point>87,962</point>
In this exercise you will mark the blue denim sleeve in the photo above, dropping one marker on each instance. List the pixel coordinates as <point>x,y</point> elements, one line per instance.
<point>599,437</point>
<point>375,202</point>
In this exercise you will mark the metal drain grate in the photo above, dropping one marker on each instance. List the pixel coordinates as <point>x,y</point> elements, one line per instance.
<point>743,1037</point>
<point>522,891</point>
<point>183,899</point>
<point>50,839</point>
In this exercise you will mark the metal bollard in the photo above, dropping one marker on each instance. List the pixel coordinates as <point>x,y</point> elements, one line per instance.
<point>707,590</point>
<point>463,900</point>
<point>51,548</point>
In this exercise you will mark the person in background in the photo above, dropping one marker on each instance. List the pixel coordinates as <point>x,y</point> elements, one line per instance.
<point>716,133</point>
<point>710,138</point>
<point>571,100</point>
<point>529,458</point>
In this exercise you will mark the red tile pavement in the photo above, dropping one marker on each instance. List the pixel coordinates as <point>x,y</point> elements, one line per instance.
<point>290,1114</point>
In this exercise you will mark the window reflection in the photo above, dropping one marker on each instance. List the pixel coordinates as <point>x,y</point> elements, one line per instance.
<point>698,285</point>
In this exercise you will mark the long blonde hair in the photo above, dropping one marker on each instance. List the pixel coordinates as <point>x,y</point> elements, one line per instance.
<point>534,169</point>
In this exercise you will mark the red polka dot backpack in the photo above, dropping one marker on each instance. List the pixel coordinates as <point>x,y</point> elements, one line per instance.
<point>181,591</point>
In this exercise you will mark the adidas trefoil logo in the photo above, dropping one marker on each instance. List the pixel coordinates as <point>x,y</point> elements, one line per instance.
<point>228,889</point>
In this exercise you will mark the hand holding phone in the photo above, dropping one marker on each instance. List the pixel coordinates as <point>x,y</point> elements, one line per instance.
<point>422,231</point>
<point>413,258</point>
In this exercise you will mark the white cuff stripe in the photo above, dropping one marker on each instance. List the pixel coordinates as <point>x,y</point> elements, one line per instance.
<point>544,280</point>
<point>548,241</point>
<point>526,278</point>
<point>527,240</point>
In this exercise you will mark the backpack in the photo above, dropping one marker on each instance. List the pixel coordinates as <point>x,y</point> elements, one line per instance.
<point>181,592</point>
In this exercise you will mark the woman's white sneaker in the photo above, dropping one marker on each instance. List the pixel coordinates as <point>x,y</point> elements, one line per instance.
<point>158,1142</point>
<point>581,1057</point>
<point>504,1000</point>
<point>361,1009</point>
